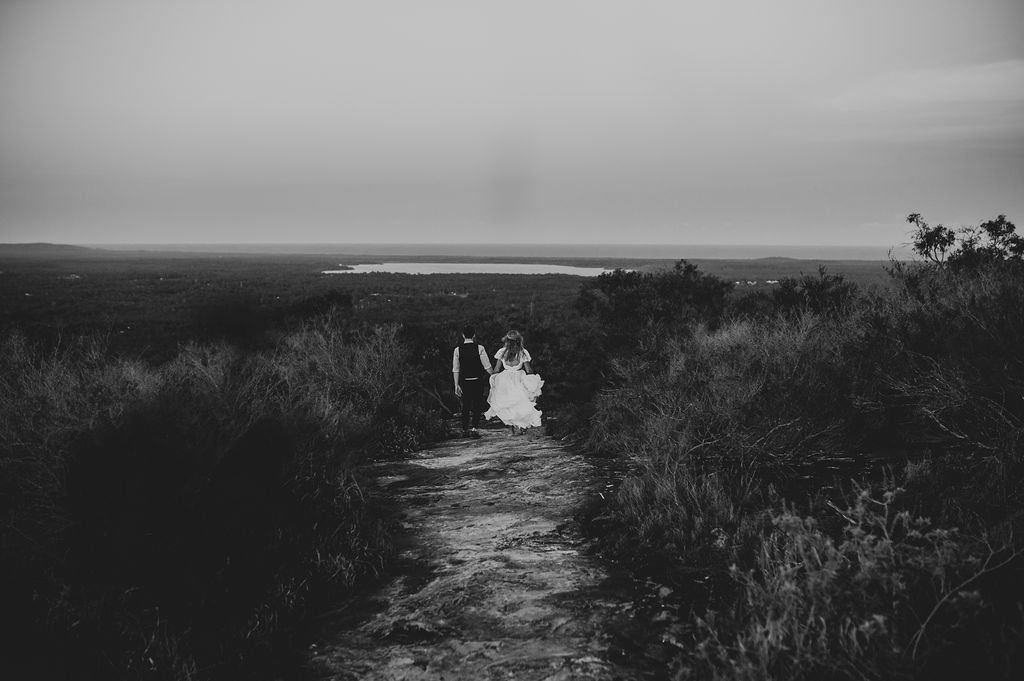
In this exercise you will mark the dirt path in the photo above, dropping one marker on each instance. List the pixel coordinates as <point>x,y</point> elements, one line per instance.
<point>494,586</point>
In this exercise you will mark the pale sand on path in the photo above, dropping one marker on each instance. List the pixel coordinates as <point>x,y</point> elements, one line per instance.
<point>494,584</point>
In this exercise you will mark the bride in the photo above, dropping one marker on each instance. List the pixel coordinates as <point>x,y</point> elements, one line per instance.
<point>514,388</point>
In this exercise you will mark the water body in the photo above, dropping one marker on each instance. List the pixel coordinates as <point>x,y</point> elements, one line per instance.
<point>469,268</point>
<point>576,250</point>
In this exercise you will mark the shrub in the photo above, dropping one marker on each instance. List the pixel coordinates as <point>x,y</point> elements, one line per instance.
<point>177,521</point>
<point>920,384</point>
<point>895,597</point>
<point>750,396</point>
<point>824,294</point>
<point>627,301</point>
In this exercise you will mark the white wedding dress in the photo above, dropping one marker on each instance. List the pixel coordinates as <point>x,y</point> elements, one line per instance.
<point>514,392</point>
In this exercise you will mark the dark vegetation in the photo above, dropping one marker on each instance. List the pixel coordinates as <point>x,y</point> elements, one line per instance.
<point>831,487</point>
<point>184,438</point>
<point>148,307</point>
<point>180,519</point>
<point>183,443</point>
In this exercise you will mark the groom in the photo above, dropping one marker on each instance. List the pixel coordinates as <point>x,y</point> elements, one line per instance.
<point>470,367</point>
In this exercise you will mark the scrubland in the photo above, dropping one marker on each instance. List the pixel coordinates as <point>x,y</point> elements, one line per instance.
<point>181,519</point>
<point>841,472</point>
<point>824,479</point>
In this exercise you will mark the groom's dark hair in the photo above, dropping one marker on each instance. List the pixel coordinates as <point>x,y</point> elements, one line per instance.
<point>468,331</point>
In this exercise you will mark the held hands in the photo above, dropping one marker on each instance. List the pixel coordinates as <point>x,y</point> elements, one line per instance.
<point>458,390</point>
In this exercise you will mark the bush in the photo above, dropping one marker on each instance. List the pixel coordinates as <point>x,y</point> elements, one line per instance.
<point>725,423</point>
<point>824,294</point>
<point>747,397</point>
<point>627,301</point>
<point>896,597</point>
<point>177,521</point>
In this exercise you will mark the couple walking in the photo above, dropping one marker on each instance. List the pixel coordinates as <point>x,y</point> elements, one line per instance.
<point>514,387</point>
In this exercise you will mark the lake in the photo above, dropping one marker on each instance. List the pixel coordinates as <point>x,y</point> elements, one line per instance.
<point>469,268</point>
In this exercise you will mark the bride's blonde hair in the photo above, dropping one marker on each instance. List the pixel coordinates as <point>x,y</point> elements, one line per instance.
<point>513,346</point>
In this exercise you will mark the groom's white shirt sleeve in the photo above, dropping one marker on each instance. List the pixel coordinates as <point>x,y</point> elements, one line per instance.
<point>484,359</point>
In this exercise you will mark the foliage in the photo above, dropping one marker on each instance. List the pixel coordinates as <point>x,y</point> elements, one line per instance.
<point>895,597</point>
<point>150,306</point>
<point>177,520</point>
<point>991,240</point>
<point>625,301</point>
<point>826,293</point>
<point>728,409</point>
<point>728,423</point>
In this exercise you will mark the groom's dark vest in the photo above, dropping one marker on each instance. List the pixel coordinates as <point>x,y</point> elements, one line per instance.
<point>469,362</point>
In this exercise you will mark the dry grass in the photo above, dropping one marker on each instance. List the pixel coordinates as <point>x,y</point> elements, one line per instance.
<point>169,521</point>
<point>917,388</point>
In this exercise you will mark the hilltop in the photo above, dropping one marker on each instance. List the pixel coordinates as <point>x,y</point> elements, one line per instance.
<point>49,250</point>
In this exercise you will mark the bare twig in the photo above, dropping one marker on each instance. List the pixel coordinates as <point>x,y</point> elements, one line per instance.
<point>433,392</point>
<point>984,570</point>
<point>840,512</point>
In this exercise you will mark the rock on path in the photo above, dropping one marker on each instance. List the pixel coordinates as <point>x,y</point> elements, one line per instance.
<point>494,586</point>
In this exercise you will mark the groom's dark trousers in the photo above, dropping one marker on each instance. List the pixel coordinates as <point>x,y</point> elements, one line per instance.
<point>472,400</point>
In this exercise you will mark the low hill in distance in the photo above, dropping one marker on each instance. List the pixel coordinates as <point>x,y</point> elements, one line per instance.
<point>48,250</point>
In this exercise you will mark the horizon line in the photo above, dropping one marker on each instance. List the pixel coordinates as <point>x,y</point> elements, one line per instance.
<point>462,244</point>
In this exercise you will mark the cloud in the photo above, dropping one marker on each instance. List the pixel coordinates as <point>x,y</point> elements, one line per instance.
<point>974,102</point>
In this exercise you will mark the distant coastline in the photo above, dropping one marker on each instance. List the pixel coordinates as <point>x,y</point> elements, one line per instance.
<point>644,251</point>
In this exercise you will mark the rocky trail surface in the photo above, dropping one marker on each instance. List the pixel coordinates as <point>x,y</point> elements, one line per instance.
<point>493,583</point>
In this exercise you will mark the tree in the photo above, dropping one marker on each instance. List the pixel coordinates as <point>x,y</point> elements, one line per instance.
<point>991,241</point>
<point>626,300</point>
<point>931,243</point>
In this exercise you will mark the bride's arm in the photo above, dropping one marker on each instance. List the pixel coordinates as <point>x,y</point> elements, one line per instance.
<point>527,367</point>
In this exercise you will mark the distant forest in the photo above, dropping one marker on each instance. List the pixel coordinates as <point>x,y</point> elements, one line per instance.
<point>148,303</point>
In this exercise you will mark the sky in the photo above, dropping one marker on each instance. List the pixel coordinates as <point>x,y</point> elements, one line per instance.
<point>526,121</point>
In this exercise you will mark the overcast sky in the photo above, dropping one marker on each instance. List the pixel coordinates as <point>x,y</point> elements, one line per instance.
<point>633,121</point>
